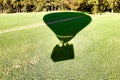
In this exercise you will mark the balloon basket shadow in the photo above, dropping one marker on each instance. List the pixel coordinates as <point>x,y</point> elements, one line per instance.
<point>61,53</point>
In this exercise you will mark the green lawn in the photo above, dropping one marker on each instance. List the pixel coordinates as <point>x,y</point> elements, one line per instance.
<point>19,19</point>
<point>26,54</point>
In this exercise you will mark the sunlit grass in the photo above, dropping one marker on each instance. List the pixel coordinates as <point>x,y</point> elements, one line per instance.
<point>19,19</point>
<point>25,54</point>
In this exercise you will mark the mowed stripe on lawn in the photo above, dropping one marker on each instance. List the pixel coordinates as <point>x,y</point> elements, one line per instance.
<point>21,27</point>
<point>36,25</point>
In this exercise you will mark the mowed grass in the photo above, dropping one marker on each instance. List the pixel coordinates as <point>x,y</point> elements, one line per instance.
<point>19,19</point>
<point>25,54</point>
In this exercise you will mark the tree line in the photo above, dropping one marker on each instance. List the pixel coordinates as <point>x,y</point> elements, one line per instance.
<point>93,6</point>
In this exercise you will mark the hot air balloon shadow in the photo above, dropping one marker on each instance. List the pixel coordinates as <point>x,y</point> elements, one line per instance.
<point>65,25</point>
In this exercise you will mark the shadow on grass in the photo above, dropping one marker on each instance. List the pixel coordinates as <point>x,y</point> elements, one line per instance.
<point>62,53</point>
<point>65,25</point>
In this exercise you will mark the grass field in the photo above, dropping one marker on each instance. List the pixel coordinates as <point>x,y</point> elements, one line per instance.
<point>26,54</point>
<point>15,20</point>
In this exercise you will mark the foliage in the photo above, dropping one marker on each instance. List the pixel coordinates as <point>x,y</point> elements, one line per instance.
<point>94,6</point>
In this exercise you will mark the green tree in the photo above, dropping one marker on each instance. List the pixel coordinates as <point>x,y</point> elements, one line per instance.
<point>3,6</point>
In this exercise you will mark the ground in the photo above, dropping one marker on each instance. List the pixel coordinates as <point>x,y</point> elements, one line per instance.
<point>25,54</point>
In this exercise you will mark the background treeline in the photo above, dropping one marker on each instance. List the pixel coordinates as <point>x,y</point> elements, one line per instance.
<point>93,6</point>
